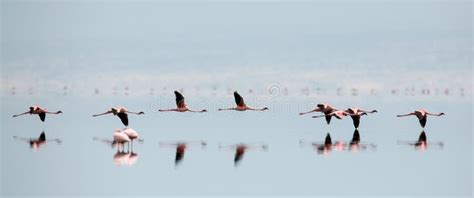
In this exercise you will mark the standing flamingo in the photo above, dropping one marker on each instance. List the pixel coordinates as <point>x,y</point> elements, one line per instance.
<point>121,112</point>
<point>38,110</point>
<point>241,106</point>
<point>120,138</point>
<point>422,115</point>
<point>356,114</point>
<point>132,135</point>
<point>181,105</point>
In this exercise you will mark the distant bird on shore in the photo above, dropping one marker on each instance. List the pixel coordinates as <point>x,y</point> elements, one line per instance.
<point>41,112</point>
<point>241,106</point>
<point>181,105</point>
<point>422,116</point>
<point>121,112</point>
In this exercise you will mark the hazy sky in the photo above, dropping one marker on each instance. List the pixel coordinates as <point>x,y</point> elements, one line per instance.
<point>212,42</point>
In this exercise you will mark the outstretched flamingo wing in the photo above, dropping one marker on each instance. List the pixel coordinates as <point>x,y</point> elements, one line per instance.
<point>124,118</point>
<point>238,99</point>
<point>328,118</point>
<point>355,120</point>
<point>42,116</point>
<point>179,100</point>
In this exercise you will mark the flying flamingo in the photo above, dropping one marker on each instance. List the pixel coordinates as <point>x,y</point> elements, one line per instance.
<point>181,105</point>
<point>241,106</point>
<point>339,114</point>
<point>422,115</point>
<point>356,114</point>
<point>121,112</point>
<point>38,110</point>
<point>35,143</point>
<point>323,108</point>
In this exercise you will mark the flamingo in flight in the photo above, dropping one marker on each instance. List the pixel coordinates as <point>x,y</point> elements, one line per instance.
<point>356,114</point>
<point>422,116</point>
<point>41,112</point>
<point>241,106</point>
<point>339,114</point>
<point>121,112</point>
<point>181,105</point>
<point>323,108</point>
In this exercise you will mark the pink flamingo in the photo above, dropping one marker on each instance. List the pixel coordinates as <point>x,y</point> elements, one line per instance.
<point>121,112</point>
<point>356,114</point>
<point>241,106</point>
<point>41,112</point>
<point>422,116</point>
<point>181,105</point>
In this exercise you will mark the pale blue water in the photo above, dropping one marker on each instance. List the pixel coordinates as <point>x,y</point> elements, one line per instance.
<point>85,57</point>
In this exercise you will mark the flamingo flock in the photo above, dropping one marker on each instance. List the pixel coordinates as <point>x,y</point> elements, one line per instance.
<point>127,135</point>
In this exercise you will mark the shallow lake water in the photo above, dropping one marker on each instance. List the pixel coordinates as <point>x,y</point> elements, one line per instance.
<point>290,165</point>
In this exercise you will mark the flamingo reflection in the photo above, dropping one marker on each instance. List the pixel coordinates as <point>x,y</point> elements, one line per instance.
<point>36,143</point>
<point>241,148</point>
<point>121,157</point>
<point>128,158</point>
<point>422,143</point>
<point>356,145</point>
<point>181,147</point>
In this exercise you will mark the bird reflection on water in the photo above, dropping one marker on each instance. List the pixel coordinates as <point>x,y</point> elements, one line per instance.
<point>422,144</point>
<point>240,149</point>
<point>36,143</point>
<point>354,145</point>
<point>121,157</point>
<point>181,147</point>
